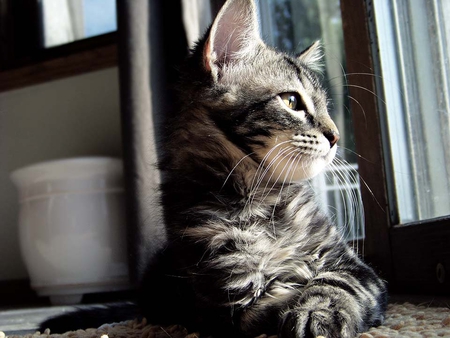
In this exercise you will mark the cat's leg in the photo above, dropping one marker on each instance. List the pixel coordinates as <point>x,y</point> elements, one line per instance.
<point>164,295</point>
<point>263,316</point>
<point>345,297</point>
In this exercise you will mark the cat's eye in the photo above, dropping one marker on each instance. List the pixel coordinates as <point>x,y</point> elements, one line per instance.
<point>292,100</point>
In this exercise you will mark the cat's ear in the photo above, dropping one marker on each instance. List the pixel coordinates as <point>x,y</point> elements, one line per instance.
<point>313,57</point>
<point>233,34</point>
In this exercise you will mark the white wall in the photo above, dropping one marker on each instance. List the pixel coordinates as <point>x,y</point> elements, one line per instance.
<point>77,116</point>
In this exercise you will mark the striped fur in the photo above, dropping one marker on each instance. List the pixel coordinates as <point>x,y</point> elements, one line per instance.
<point>249,250</point>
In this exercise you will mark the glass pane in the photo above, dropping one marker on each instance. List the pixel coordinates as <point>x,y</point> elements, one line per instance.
<point>65,21</point>
<point>293,25</point>
<point>414,54</point>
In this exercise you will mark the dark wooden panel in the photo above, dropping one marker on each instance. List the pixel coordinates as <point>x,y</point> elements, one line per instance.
<point>366,121</point>
<point>57,68</point>
<point>421,256</point>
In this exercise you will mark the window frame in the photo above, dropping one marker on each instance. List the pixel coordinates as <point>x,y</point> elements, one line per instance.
<point>411,257</point>
<point>23,62</point>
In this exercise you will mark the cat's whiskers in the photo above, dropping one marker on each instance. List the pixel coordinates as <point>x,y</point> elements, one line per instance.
<point>291,157</point>
<point>281,152</point>
<point>344,191</point>
<point>261,174</point>
<point>362,178</point>
<point>288,164</point>
<point>292,169</point>
<point>358,216</point>
<point>256,191</point>
<point>333,215</point>
<point>367,90</point>
<point>291,152</point>
<point>360,106</point>
<point>355,153</point>
<point>344,182</point>
<point>345,75</point>
<point>305,164</point>
<point>258,177</point>
<point>356,210</point>
<point>234,168</point>
<point>292,165</point>
<point>347,208</point>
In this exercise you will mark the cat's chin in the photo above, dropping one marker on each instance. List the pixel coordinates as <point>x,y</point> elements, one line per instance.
<point>286,172</point>
<point>301,174</point>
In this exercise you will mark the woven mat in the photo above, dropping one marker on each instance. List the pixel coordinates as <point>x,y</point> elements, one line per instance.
<point>403,320</point>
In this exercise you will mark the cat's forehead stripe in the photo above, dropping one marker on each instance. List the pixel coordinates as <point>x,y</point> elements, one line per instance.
<point>293,65</point>
<point>307,100</point>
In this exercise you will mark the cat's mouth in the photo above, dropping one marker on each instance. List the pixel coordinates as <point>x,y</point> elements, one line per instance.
<point>299,157</point>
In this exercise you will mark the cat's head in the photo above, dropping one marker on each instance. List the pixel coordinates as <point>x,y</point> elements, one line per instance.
<point>269,104</point>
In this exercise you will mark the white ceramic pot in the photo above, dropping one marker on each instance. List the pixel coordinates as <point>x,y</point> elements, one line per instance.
<point>72,227</point>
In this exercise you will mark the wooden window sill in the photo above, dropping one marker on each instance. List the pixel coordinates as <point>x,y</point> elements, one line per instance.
<point>61,67</point>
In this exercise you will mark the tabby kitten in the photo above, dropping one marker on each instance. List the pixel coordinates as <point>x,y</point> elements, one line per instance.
<point>249,250</point>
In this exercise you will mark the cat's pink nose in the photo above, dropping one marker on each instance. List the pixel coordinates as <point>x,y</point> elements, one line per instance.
<point>332,137</point>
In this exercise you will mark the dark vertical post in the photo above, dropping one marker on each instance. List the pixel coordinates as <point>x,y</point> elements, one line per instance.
<point>367,129</point>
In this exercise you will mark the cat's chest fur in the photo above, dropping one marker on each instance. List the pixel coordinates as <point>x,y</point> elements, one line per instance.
<point>262,244</point>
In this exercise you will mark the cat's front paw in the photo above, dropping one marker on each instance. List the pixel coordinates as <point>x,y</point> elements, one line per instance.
<point>329,323</point>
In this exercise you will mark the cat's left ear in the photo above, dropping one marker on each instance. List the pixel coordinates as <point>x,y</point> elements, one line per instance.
<point>313,57</point>
<point>234,33</point>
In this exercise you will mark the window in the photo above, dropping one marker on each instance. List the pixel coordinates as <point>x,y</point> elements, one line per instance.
<point>64,21</point>
<point>44,40</point>
<point>414,56</point>
<point>293,25</point>
<point>400,70</point>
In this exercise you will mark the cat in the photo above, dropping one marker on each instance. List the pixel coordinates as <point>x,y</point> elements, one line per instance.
<point>249,250</point>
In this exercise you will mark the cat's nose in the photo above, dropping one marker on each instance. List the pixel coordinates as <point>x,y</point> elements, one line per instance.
<point>332,136</point>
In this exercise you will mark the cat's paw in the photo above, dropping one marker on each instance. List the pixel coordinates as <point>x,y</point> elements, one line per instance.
<point>325,322</point>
